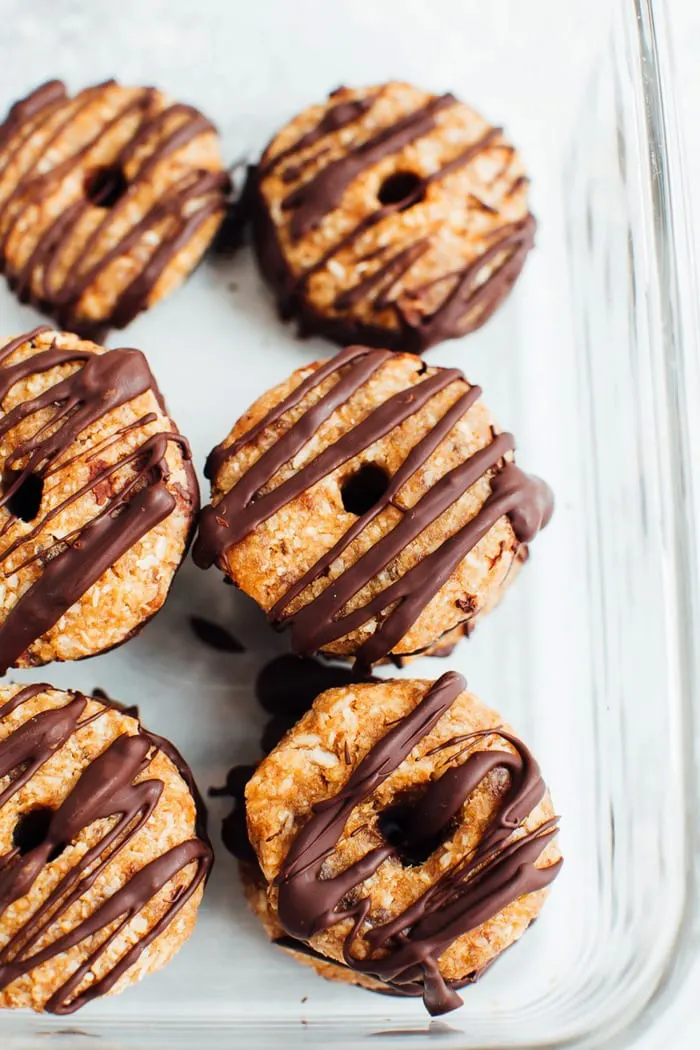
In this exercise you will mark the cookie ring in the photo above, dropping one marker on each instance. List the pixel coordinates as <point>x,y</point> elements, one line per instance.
<point>370,504</point>
<point>103,850</point>
<point>108,200</point>
<point>403,831</point>
<point>390,217</point>
<point>97,498</point>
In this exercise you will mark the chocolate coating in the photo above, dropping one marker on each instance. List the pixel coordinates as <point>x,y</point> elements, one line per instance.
<point>177,205</point>
<point>526,500</point>
<point>469,298</point>
<point>105,789</point>
<point>104,382</point>
<point>501,870</point>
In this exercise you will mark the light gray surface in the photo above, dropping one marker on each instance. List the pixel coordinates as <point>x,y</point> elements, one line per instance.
<point>216,344</point>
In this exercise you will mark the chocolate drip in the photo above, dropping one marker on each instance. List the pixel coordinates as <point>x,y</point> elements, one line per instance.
<point>104,790</point>
<point>526,500</point>
<point>473,295</point>
<point>74,563</point>
<point>71,573</point>
<point>105,382</point>
<point>176,207</point>
<point>222,453</point>
<point>245,513</point>
<point>412,989</point>
<point>38,363</point>
<point>501,869</point>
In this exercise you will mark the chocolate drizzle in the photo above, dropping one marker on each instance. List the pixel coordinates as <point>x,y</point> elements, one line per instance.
<point>526,500</point>
<point>502,868</point>
<point>412,989</point>
<point>336,117</point>
<point>323,192</point>
<point>71,565</point>
<point>176,215</point>
<point>105,789</point>
<point>473,291</point>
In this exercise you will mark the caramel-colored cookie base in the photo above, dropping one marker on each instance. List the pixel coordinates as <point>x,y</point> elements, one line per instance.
<point>172,821</point>
<point>419,240</point>
<point>135,587</point>
<point>256,896</point>
<point>108,200</point>
<point>313,762</point>
<point>277,552</point>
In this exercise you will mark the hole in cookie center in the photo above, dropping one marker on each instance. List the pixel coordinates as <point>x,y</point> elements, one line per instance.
<point>364,488</point>
<point>25,500</point>
<point>400,189</point>
<point>105,186</point>
<point>395,826</point>
<point>31,830</point>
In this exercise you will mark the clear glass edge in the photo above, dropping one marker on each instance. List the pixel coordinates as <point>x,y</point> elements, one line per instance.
<point>671,1006</point>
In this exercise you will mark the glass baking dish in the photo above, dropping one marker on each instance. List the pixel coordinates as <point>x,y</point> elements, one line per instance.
<point>593,365</point>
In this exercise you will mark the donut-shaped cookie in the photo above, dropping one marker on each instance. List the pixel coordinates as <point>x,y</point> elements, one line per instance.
<point>403,832</point>
<point>108,199</point>
<point>390,216</point>
<point>97,498</point>
<point>369,503</point>
<point>103,850</point>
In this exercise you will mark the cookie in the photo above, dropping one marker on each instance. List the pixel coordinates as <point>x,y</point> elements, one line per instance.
<point>97,498</point>
<point>103,850</point>
<point>390,216</point>
<point>255,892</point>
<point>369,503</point>
<point>108,200</point>
<point>404,832</point>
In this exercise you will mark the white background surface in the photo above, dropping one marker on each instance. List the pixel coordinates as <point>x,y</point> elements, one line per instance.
<point>197,53</point>
<point>684,20</point>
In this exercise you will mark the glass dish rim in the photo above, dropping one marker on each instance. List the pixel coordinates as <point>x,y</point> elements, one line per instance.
<point>675,271</point>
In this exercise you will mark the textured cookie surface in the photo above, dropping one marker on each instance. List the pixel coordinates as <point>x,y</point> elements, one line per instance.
<point>392,217</point>
<point>103,852</point>
<point>97,500</point>
<point>255,891</point>
<point>403,831</point>
<point>369,502</point>
<point>108,200</point>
